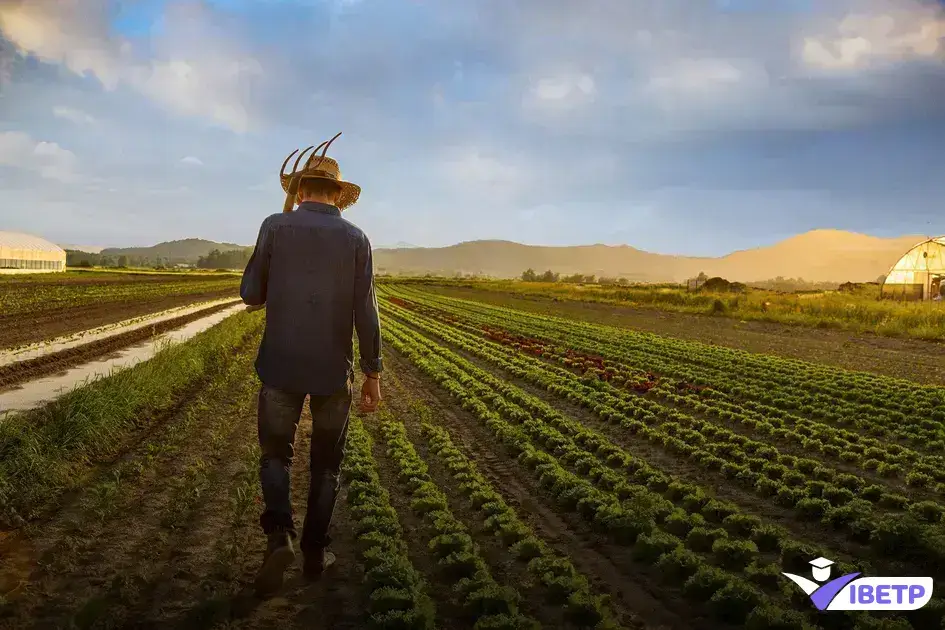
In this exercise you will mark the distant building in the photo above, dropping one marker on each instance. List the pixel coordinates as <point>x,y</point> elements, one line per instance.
<point>23,253</point>
<point>919,274</point>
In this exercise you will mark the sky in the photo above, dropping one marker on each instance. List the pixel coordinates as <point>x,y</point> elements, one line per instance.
<point>678,126</point>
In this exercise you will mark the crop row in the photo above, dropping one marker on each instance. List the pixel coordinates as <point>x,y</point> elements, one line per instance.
<point>852,447</point>
<point>841,500</point>
<point>883,391</point>
<point>701,528</point>
<point>705,554</point>
<point>494,607</point>
<point>553,571</point>
<point>398,596</point>
<point>880,405</point>
<point>925,472</point>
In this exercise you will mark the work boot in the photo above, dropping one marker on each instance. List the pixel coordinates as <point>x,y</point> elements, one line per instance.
<point>316,562</point>
<point>279,556</point>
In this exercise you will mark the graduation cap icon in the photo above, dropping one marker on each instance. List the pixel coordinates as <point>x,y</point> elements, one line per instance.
<point>821,570</point>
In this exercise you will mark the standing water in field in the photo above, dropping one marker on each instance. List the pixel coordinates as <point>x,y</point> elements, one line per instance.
<point>35,393</point>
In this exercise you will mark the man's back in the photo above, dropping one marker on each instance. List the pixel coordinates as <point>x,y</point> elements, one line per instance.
<point>313,270</point>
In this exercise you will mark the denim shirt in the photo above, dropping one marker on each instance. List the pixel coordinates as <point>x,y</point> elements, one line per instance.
<point>314,272</point>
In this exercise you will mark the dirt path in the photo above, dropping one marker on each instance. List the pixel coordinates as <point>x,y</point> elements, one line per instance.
<point>16,330</point>
<point>920,361</point>
<point>15,373</point>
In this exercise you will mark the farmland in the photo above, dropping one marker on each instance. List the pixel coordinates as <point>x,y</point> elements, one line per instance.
<point>35,307</point>
<point>526,470</point>
<point>857,310</point>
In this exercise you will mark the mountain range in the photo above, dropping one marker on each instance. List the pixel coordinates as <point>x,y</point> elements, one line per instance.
<point>818,256</point>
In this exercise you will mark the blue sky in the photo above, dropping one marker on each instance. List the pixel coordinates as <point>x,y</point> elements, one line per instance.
<point>678,126</point>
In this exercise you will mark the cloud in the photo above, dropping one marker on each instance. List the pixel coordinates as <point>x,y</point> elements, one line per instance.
<point>195,69</point>
<point>73,115</point>
<point>49,160</point>
<point>191,161</point>
<point>904,31</point>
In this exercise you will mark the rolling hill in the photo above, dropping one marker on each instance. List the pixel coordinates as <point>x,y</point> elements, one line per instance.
<point>818,255</point>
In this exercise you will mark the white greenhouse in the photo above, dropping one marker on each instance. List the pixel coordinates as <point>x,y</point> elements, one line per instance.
<point>920,272</point>
<point>23,253</point>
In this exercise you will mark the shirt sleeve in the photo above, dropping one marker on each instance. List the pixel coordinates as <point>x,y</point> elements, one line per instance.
<point>366,320</point>
<point>256,275</point>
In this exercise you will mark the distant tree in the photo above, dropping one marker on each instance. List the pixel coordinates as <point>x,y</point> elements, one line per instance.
<point>232,259</point>
<point>574,278</point>
<point>107,261</point>
<point>122,261</point>
<point>529,275</point>
<point>549,276</point>
<point>702,277</point>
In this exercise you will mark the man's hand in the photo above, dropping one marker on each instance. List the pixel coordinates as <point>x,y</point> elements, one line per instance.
<point>370,393</point>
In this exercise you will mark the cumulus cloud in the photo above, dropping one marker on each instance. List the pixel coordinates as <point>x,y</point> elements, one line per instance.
<point>73,115</point>
<point>196,71</point>
<point>47,159</point>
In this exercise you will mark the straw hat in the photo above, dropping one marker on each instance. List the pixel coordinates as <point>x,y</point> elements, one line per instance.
<point>316,167</point>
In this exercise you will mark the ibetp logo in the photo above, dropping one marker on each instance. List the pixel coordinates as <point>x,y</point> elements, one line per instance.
<point>851,592</point>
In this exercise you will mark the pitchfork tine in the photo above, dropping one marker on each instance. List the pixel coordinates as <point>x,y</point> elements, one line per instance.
<point>329,144</point>
<point>321,158</point>
<point>295,167</point>
<point>282,171</point>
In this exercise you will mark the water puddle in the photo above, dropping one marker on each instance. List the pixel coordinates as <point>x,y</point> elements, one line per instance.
<point>35,393</point>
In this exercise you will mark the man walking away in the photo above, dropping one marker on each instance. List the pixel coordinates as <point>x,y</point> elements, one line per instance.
<point>313,272</point>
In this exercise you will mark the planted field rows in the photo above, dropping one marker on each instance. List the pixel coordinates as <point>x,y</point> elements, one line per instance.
<point>726,463</point>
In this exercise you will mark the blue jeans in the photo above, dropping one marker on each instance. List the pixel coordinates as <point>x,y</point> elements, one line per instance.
<point>278,420</point>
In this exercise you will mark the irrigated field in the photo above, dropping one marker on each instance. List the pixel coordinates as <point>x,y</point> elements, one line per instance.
<point>525,471</point>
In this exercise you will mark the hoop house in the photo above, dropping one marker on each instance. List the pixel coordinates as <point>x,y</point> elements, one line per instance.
<point>24,253</point>
<point>920,273</point>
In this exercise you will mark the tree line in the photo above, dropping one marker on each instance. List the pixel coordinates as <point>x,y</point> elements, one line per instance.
<point>530,275</point>
<point>216,259</point>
